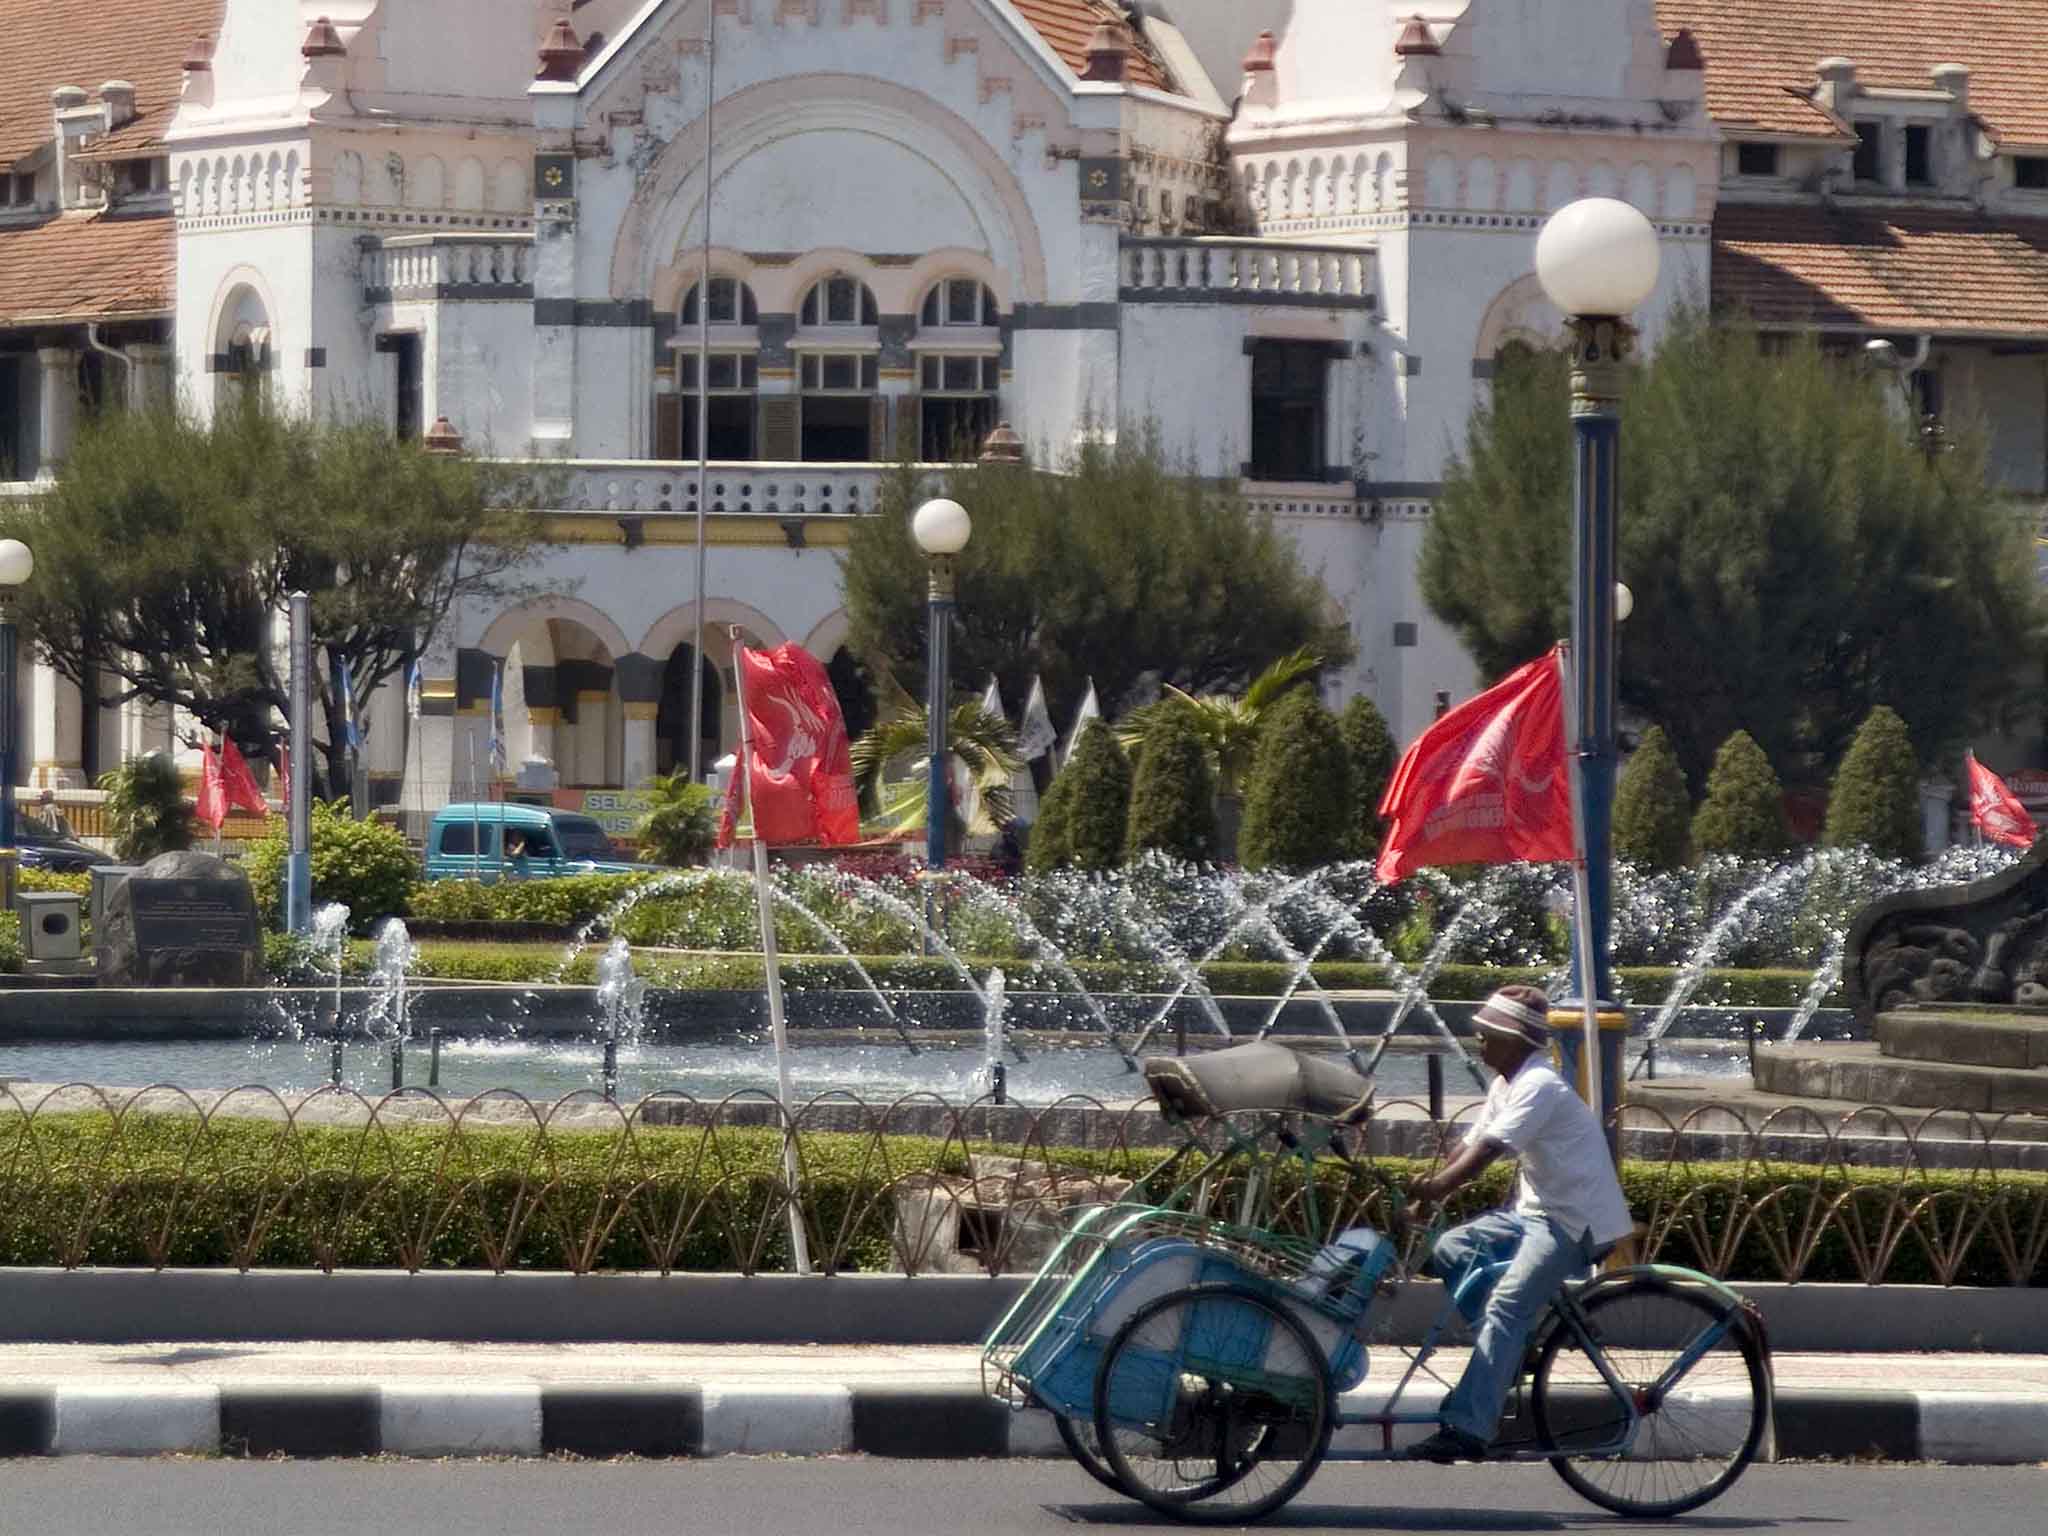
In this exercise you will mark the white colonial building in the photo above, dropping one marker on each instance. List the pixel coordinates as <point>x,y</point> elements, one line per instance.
<point>1295,235</point>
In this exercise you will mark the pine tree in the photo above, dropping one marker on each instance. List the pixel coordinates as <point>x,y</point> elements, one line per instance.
<point>1652,811</point>
<point>1875,801</point>
<point>1173,794</point>
<point>1098,805</point>
<point>1370,746</point>
<point>1049,848</point>
<point>1297,806</point>
<point>1744,811</point>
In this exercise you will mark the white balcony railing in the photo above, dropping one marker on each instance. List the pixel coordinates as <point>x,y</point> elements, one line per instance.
<point>1245,271</point>
<point>779,489</point>
<point>449,266</point>
<point>1290,500</point>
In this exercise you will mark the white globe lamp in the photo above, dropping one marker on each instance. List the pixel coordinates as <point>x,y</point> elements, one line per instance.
<point>16,563</point>
<point>1597,256</point>
<point>1624,602</point>
<point>941,527</point>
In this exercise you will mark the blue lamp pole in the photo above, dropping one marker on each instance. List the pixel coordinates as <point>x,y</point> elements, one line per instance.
<point>1597,260</point>
<point>16,566</point>
<point>941,528</point>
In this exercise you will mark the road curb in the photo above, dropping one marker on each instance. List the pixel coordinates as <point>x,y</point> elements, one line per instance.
<point>692,1419</point>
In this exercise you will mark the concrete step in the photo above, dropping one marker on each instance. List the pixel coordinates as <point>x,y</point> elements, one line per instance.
<point>1991,1037</point>
<point>1863,1074</point>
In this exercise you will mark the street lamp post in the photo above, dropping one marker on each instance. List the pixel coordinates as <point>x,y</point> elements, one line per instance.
<point>941,528</point>
<point>1597,259</point>
<point>16,566</point>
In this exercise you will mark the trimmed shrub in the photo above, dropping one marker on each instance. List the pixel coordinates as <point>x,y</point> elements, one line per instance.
<point>1370,746</point>
<point>146,808</point>
<point>1652,811</point>
<point>1173,794</point>
<point>1297,803</point>
<point>1875,801</point>
<point>366,865</point>
<point>28,879</point>
<point>1098,808</point>
<point>13,957</point>
<point>1744,810</point>
<point>1049,848</point>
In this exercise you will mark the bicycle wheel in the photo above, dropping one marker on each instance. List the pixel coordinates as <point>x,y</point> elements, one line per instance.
<point>1695,1433</point>
<point>1078,1435</point>
<point>1213,1404</point>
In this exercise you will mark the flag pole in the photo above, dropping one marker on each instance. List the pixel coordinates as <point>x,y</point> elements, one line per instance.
<point>696,724</point>
<point>1582,906</point>
<point>476,820</point>
<point>771,964</point>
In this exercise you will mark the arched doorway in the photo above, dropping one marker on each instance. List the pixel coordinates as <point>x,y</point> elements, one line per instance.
<point>672,715</point>
<point>856,692</point>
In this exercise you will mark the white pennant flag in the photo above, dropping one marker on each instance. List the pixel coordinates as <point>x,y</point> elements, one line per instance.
<point>969,787</point>
<point>1035,736</point>
<point>1091,709</point>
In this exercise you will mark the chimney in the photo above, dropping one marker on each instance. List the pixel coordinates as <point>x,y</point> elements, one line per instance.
<point>561,56</point>
<point>1416,40</point>
<point>1955,79</point>
<point>1683,52</point>
<point>117,98</point>
<point>199,57</point>
<point>1837,84</point>
<point>1108,54</point>
<point>1258,89</point>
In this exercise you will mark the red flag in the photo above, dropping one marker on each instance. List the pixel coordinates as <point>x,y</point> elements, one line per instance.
<point>237,783</point>
<point>1994,808</point>
<point>1487,784</point>
<point>802,763</point>
<point>212,804</point>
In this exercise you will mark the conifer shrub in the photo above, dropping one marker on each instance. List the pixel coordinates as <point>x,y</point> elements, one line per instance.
<point>1652,811</point>
<point>1875,800</point>
<point>1098,806</point>
<point>1744,809</point>
<point>1173,794</point>
<point>1048,848</point>
<point>1370,746</point>
<point>1297,803</point>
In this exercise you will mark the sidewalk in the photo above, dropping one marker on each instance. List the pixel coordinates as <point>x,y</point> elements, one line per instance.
<point>322,1399</point>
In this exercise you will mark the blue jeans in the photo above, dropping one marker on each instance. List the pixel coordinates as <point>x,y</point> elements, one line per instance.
<point>1541,1257</point>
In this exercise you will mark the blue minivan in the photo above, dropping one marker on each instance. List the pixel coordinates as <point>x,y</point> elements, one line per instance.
<point>505,840</point>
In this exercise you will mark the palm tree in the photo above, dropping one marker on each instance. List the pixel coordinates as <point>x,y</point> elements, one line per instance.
<point>978,741</point>
<point>1228,724</point>
<point>681,822</point>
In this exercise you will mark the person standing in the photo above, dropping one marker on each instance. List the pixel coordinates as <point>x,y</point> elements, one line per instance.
<point>1567,1213</point>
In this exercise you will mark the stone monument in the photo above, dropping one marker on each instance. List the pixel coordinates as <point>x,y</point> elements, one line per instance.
<point>185,919</point>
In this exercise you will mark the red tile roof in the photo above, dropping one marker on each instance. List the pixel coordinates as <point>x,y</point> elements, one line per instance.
<point>83,267</point>
<point>1897,269</point>
<point>48,43</point>
<point>1760,52</point>
<point>1066,25</point>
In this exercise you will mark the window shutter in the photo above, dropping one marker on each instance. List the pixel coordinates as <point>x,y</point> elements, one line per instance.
<point>878,428</point>
<point>779,429</point>
<point>668,427</point>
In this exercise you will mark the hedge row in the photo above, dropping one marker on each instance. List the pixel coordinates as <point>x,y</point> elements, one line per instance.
<point>741,971</point>
<point>84,1189</point>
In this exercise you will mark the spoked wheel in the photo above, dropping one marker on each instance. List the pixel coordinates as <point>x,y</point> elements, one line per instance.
<point>1078,1435</point>
<point>1700,1422</point>
<point>1213,1404</point>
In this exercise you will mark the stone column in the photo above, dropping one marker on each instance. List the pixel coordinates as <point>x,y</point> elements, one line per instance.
<point>60,407</point>
<point>541,720</point>
<point>56,746</point>
<point>149,376</point>
<point>593,734</point>
<point>640,758</point>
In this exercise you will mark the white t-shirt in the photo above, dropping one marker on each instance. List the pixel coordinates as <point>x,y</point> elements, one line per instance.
<point>1566,1172</point>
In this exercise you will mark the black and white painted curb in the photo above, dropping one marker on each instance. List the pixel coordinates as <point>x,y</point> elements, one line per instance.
<point>692,1419</point>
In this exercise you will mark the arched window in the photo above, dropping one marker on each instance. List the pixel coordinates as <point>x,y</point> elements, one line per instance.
<point>732,303</point>
<point>959,369</point>
<point>839,300</point>
<point>842,413</point>
<point>731,376</point>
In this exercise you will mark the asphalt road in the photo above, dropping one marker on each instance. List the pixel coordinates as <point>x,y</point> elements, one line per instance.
<point>858,1497</point>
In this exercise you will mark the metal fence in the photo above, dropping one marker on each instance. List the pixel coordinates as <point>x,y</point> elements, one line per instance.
<point>251,1180</point>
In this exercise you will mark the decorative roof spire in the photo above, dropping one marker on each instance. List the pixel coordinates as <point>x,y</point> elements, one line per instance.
<point>561,56</point>
<point>1684,52</point>
<point>322,41</point>
<point>1416,40</point>
<point>1260,57</point>
<point>199,57</point>
<point>1109,53</point>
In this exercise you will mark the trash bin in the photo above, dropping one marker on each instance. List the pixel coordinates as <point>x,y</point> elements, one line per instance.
<point>49,924</point>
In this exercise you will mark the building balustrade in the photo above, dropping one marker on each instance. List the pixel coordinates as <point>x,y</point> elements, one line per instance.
<point>448,266</point>
<point>1227,270</point>
<point>1273,499</point>
<point>759,488</point>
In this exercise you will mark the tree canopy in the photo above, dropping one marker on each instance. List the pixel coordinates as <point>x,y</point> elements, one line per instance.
<point>1796,557</point>
<point>167,552</point>
<point>1118,568</point>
